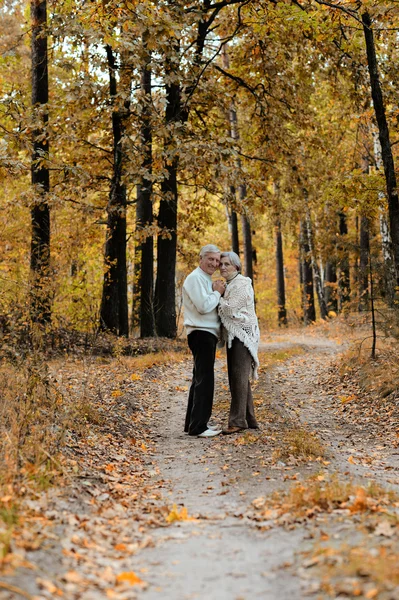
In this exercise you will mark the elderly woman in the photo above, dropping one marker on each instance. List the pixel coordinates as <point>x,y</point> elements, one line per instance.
<point>241,333</point>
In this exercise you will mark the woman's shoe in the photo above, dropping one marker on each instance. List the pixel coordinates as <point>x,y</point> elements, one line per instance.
<point>230,430</point>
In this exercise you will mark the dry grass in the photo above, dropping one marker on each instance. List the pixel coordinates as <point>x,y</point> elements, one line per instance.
<point>380,376</point>
<point>358,571</point>
<point>30,421</point>
<point>146,361</point>
<point>270,358</point>
<point>300,444</point>
<point>31,429</point>
<point>326,494</point>
<point>323,493</point>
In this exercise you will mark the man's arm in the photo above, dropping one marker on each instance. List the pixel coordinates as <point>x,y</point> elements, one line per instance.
<point>203,300</point>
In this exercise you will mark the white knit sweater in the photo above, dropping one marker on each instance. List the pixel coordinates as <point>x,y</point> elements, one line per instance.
<point>200,303</point>
<point>237,313</point>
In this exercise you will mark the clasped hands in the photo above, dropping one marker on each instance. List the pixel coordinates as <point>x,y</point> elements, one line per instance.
<point>219,285</point>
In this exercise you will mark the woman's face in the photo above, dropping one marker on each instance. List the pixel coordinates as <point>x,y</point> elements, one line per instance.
<point>226,268</point>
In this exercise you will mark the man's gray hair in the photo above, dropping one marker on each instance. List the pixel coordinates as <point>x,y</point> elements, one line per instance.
<point>233,258</point>
<point>209,249</point>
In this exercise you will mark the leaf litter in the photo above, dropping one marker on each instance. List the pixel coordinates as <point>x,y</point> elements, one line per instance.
<point>112,493</point>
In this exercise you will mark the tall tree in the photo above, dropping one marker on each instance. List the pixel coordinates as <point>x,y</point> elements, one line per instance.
<point>308,305</point>
<point>144,210</point>
<point>315,267</point>
<point>363,282</point>
<point>165,302</point>
<point>40,211</point>
<point>281,309</point>
<point>384,137</point>
<point>242,194</point>
<point>233,221</point>
<point>114,304</point>
<point>344,288</point>
<point>181,82</point>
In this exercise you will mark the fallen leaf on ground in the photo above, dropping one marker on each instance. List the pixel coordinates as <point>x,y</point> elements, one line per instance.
<point>129,577</point>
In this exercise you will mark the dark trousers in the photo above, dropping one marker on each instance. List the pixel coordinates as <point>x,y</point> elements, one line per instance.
<point>239,362</point>
<point>200,400</point>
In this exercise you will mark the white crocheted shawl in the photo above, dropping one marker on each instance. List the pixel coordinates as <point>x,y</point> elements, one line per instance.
<point>237,313</point>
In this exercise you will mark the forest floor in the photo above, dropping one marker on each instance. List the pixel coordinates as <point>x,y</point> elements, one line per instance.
<point>306,507</point>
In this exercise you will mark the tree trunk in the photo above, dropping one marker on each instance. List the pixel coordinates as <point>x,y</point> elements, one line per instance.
<point>281,310</point>
<point>315,267</point>
<point>309,311</point>
<point>114,304</point>
<point>233,224</point>
<point>343,262</point>
<point>246,238</point>
<point>242,194</point>
<point>330,285</point>
<point>144,213</point>
<point>386,242</point>
<point>40,211</point>
<point>175,111</point>
<point>386,149</point>
<point>165,297</point>
<point>364,264</point>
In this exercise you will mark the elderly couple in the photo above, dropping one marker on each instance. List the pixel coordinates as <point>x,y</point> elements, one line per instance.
<point>221,311</point>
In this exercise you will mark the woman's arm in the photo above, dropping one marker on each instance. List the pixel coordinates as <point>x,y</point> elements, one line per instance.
<point>237,298</point>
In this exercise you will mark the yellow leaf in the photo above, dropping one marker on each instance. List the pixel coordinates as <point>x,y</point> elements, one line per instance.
<point>129,577</point>
<point>116,393</point>
<point>135,377</point>
<point>351,460</point>
<point>373,593</point>
<point>176,515</point>
<point>345,399</point>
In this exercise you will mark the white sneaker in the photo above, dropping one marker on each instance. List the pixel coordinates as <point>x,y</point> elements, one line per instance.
<point>213,427</point>
<point>210,433</point>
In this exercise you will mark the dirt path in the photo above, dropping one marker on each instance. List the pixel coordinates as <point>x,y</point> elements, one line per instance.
<point>215,548</point>
<point>222,555</point>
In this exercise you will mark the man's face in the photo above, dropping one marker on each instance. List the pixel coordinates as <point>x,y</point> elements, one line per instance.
<point>210,262</point>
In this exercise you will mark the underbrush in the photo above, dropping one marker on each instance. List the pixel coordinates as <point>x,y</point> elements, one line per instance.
<point>299,444</point>
<point>359,571</point>
<point>31,431</point>
<point>324,493</point>
<point>379,375</point>
<point>271,358</point>
<point>47,407</point>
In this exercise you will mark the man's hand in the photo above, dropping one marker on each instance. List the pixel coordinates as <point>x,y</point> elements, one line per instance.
<point>219,286</point>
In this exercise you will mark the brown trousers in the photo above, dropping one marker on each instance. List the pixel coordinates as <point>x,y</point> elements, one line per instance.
<point>239,362</point>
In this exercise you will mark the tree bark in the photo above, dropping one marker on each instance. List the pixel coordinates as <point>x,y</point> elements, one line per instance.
<point>364,243</point>
<point>281,309</point>
<point>114,303</point>
<point>330,285</point>
<point>315,268</point>
<point>309,311</point>
<point>165,296</point>
<point>344,290</point>
<point>242,194</point>
<point>386,241</point>
<point>246,238</point>
<point>144,211</point>
<point>383,130</point>
<point>233,224</point>
<point>40,177</point>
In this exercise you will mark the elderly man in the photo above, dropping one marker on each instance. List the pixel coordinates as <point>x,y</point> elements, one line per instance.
<point>200,300</point>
